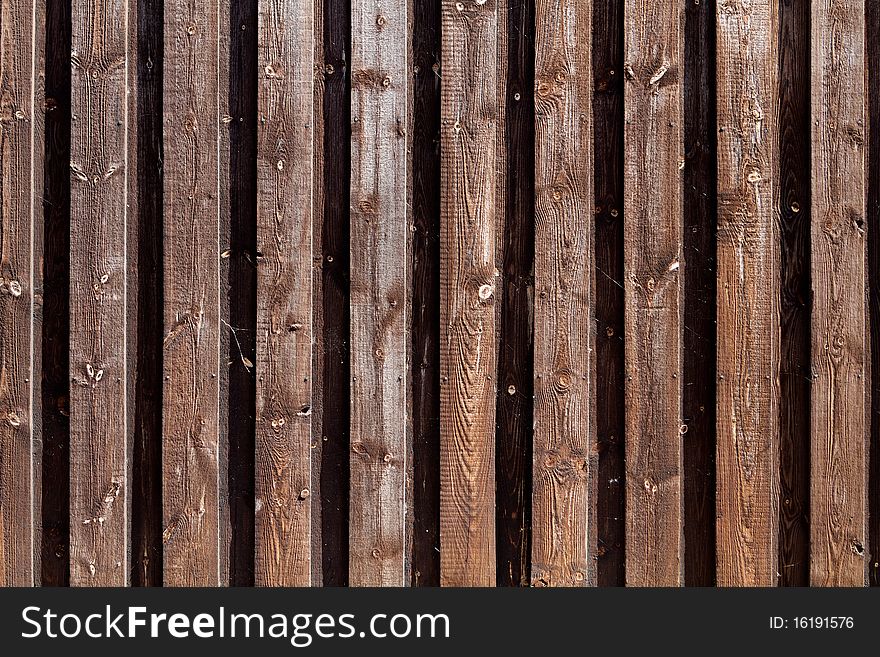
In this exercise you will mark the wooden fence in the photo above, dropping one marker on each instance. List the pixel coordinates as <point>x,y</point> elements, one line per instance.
<point>459,292</point>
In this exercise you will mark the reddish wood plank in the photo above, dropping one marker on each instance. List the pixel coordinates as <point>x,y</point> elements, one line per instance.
<point>378,536</point>
<point>191,441</point>
<point>99,168</point>
<point>653,159</point>
<point>747,308</point>
<point>285,181</point>
<point>469,216</point>
<point>840,429</point>
<point>21,125</point>
<point>564,331</point>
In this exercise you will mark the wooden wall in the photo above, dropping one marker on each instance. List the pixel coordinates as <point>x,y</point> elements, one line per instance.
<point>440,292</point>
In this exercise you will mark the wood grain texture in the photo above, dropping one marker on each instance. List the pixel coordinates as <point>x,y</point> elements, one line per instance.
<point>872,17</point>
<point>99,168</point>
<point>747,309</point>
<point>284,293</point>
<point>469,111</point>
<point>838,458</point>
<point>795,294</point>
<point>190,413</point>
<point>564,328</point>
<point>653,159</point>
<point>21,124</point>
<point>378,534</point>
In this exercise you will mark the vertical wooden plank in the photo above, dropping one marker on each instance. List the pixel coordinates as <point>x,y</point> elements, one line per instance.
<point>794,294</point>
<point>99,168</point>
<point>872,17</point>
<point>55,295</point>
<point>700,285</point>
<point>609,293</point>
<point>145,296</point>
<point>284,293</point>
<point>469,111</point>
<point>190,414</point>
<point>515,249</point>
<point>838,458</point>
<point>21,24</point>
<point>748,323</point>
<point>425,373</point>
<point>239,302</point>
<point>319,375</point>
<point>564,331</point>
<point>653,159</point>
<point>335,287</point>
<point>378,256</point>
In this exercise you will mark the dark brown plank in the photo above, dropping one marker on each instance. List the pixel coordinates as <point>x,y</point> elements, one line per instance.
<point>145,303</point>
<point>191,441</point>
<point>238,339</point>
<point>516,251</point>
<point>21,124</point>
<point>608,299</point>
<point>55,512</point>
<point>99,169</point>
<point>564,330</point>
<point>284,294</point>
<point>838,460</point>
<point>795,293</point>
<point>748,325</point>
<point>335,311</point>
<point>700,209</point>
<point>468,278</point>
<point>653,160</point>
<point>425,331</point>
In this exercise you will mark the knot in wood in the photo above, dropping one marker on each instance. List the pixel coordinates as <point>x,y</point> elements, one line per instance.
<point>562,381</point>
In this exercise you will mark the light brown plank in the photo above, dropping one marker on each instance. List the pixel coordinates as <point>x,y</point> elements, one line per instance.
<point>747,308</point>
<point>564,329</point>
<point>101,58</point>
<point>840,430</point>
<point>21,125</point>
<point>469,116</point>
<point>285,180</point>
<point>653,268</point>
<point>191,441</point>
<point>378,534</point>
